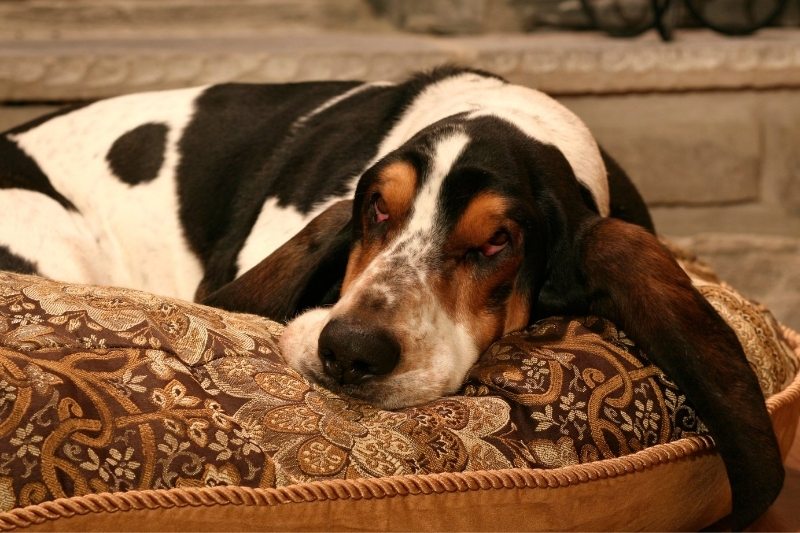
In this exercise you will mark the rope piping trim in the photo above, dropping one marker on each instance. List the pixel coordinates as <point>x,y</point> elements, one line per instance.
<point>394,486</point>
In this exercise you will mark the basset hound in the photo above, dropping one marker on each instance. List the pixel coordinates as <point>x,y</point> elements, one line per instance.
<point>401,227</point>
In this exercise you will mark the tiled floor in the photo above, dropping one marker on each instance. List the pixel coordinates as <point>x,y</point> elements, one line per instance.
<point>784,515</point>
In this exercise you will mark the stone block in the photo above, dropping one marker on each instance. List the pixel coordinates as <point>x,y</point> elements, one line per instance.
<point>559,63</point>
<point>456,17</point>
<point>680,149</point>
<point>781,139</point>
<point>754,219</point>
<point>421,16</point>
<point>763,268</point>
<point>65,19</point>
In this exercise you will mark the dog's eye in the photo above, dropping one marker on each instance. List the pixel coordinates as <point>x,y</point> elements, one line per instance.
<point>496,243</point>
<point>380,209</point>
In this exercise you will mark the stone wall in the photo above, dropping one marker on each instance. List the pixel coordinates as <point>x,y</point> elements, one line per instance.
<point>708,127</point>
<point>148,19</point>
<point>142,18</point>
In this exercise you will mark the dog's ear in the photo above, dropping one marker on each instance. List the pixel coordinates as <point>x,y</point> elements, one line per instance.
<point>621,272</point>
<point>304,272</point>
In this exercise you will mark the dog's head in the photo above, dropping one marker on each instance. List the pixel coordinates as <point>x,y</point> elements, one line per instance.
<point>451,235</point>
<point>447,245</point>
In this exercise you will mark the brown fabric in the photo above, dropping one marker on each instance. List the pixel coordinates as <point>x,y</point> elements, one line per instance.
<point>96,401</point>
<point>764,345</point>
<point>569,498</point>
<point>112,390</point>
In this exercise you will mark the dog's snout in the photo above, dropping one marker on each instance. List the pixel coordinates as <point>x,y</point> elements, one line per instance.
<point>352,352</point>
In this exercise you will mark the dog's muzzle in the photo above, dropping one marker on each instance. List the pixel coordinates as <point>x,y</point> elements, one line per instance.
<point>353,352</point>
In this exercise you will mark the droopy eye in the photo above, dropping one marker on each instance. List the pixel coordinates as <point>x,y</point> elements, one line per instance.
<point>496,243</point>
<point>380,209</point>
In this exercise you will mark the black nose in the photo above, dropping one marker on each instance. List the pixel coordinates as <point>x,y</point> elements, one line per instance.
<point>352,352</point>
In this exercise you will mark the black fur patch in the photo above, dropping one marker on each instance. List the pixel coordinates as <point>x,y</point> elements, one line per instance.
<point>14,263</point>
<point>626,202</point>
<point>20,171</point>
<point>137,155</point>
<point>234,132</point>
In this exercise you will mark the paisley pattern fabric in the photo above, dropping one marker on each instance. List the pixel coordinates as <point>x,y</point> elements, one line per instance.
<point>111,390</point>
<point>770,357</point>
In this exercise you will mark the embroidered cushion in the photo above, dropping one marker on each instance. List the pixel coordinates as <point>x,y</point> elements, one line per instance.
<point>107,390</point>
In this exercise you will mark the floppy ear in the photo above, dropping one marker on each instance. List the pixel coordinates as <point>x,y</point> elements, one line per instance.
<point>624,274</point>
<point>304,272</point>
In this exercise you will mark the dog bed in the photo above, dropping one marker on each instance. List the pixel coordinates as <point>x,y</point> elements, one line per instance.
<point>121,410</point>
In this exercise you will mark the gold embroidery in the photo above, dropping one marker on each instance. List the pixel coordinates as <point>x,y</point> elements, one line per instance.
<point>107,389</point>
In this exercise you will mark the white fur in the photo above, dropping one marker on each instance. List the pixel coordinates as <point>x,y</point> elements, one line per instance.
<point>136,229</point>
<point>533,112</point>
<point>57,247</point>
<point>274,226</point>
<point>297,350</point>
<point>447,151</point>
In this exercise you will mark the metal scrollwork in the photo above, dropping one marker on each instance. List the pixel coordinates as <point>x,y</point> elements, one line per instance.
<point>626,18</point>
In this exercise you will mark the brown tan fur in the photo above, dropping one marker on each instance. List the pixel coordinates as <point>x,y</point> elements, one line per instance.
<point>397,185</point>
<point>464,292</point>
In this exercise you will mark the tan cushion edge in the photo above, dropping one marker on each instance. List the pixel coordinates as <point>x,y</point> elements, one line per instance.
<point>784,407</point>
<point>353,502</point>
<point>582,506</point>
